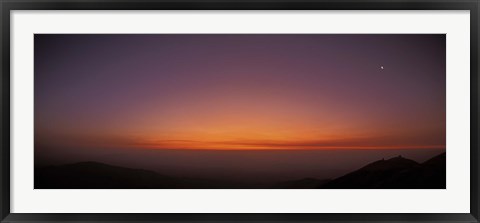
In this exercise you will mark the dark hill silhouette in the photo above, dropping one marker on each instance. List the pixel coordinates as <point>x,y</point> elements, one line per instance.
<point>93,175</point>
<point>395,173</point>
<point>392,164</point>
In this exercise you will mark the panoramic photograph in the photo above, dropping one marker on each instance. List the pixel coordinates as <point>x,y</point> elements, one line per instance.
<point>240,111</point>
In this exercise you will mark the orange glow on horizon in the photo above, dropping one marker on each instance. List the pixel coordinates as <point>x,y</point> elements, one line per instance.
<point>215,146</point>
<point>244,135</point>
<point>240,92</point>
<point>275,142</point>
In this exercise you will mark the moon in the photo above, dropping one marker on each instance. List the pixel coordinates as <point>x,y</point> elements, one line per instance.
<point>381,67</point>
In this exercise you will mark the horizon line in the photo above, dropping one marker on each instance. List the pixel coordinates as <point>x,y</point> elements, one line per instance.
<point>153,147</point>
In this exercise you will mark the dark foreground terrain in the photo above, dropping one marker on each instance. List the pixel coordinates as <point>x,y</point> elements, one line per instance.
<point>394,173</point>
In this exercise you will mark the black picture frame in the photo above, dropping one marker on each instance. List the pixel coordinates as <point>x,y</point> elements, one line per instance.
<point>8,5</point>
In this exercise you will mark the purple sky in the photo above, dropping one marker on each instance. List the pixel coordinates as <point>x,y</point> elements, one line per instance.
<point>137,100</point>
<point>142,88</point>
<point>237,91</point>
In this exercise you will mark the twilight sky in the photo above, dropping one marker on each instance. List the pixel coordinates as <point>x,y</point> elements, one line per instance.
<point>218,91</point>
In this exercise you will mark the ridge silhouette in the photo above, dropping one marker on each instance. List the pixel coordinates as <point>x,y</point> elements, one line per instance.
<point>394,173</point>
